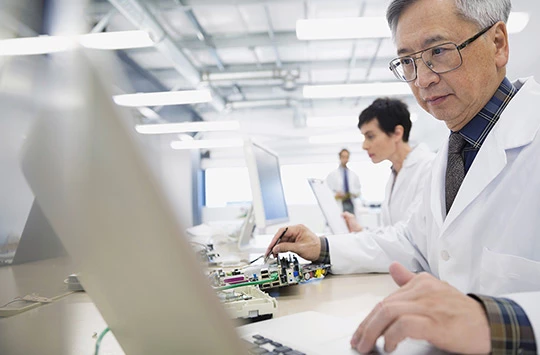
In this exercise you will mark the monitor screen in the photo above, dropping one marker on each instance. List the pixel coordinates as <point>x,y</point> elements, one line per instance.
<point>266,185</point>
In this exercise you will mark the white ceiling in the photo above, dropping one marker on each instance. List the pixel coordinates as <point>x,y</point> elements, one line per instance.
<point>211,37</point>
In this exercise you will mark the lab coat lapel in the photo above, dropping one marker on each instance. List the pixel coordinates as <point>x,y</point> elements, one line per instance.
<point>437,186</point>
<point>516,128</point>
<point>489,162</point>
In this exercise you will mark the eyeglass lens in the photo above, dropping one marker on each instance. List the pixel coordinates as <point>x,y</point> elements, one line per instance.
<point>439,59</point>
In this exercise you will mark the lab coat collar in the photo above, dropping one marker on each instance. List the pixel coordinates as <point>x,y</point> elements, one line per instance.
<point>416,155</point>
<point>516,128</point>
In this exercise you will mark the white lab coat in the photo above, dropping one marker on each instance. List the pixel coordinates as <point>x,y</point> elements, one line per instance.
<point>334,180</point>
<point>490,241</point>
<point>401,201</point>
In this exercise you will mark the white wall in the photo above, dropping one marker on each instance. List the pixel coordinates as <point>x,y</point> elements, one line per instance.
<point>174,170</point>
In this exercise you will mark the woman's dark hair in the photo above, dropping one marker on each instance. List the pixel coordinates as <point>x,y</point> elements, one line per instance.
<point>389,113</point>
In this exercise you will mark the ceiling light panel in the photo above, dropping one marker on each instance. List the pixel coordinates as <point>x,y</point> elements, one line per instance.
<point>163,98</point>
<point>517,21</point>
<point>116,40</point>
<point>207,144</point>
<point>185,127</point>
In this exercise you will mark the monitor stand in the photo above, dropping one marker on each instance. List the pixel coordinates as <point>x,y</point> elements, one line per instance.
<point>247,229</point>
<point>38,239</point>
<point>247,241</point>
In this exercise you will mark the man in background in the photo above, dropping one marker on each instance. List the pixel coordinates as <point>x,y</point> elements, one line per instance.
<point>344,183</point>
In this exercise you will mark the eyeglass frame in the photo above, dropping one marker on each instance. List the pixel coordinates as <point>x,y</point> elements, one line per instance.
<point>458,48</point>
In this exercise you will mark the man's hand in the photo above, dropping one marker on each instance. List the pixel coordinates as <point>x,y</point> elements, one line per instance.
<point>428,309</point>
<point>352,223</point>
<point>299,240</point>
<point>340,195</point>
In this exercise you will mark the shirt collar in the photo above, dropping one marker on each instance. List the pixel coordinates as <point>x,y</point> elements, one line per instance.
<point>476,131</point>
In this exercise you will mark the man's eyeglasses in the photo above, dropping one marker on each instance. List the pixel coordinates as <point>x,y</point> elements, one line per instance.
<point>440,59</point>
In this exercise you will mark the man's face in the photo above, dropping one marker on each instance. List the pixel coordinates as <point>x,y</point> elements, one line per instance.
<point>344,158</point>
<point>377,143</point>
<point>457,96</point>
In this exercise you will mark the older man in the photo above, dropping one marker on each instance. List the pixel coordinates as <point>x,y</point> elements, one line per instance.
<point>477,227</point>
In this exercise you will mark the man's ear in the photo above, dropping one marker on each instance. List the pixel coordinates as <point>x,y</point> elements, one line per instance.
<point>500,42</point>
<point>398,132</point>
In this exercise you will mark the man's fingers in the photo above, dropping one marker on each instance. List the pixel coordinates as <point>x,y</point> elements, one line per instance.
<point>285,247</point>
<point>289,236</point>
<point>384,315</point>
<point>400,274</point>
<point>412,326</point>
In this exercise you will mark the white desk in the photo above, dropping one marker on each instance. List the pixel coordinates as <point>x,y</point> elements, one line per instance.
<point>67,326</point>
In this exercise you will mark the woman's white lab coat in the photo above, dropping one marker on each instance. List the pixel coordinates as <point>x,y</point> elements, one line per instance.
<point>490,241</point>
<point>401,201</point>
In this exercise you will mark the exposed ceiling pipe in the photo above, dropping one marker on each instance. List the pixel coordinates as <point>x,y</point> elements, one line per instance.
<point>139,15</point>
<point>237,105</point>
<point>203,37</point>
<point>252,75</point>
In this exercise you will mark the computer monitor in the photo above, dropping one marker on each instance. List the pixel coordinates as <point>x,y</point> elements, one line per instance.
<point>269,205</point>
<point>92,180</point>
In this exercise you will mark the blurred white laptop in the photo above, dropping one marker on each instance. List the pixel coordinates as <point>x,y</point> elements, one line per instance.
<point>329,207</point>
<point>86,169</point>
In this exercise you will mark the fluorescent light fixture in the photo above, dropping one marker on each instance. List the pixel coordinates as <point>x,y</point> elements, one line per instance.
<point>52,44</point>
<point>517,22</point>
<point>116,40</point>
<point>332,121</point>
<point>371,27</point>
<point>163,98</point>
<point>182,127</point>
<point>342,28</point>
<point>207,144</point>
<point>356,90</point>
<point>36,45</point>
<point>355,137</point>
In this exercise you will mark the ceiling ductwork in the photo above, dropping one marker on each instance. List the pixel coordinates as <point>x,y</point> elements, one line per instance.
<point>289,77</point>
<point>140,16</point>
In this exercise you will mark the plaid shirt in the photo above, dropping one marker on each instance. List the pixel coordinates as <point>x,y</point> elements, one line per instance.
<point>511,330</point>
<point>476,131</point>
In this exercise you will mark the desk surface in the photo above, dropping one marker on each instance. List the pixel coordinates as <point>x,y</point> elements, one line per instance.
<point>69,325</point>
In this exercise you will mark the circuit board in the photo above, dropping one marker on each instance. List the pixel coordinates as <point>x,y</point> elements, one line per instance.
<point>280,272</point>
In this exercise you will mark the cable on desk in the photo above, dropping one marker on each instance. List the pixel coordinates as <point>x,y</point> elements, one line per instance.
<point>34,301</point>
<point>99,339</point>
<point>17,299</point>
<point>272,278</point>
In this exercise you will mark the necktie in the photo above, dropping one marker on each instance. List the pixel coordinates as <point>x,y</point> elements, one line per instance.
<point>455,169</point>
<point>345,181</point>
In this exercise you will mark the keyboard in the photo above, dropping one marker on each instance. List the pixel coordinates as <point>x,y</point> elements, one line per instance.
<point>262,345</point>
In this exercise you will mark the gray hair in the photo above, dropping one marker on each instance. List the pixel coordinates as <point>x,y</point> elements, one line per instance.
<point>483,13</point>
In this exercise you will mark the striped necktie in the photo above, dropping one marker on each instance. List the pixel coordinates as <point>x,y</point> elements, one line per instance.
<point>455,169</point>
